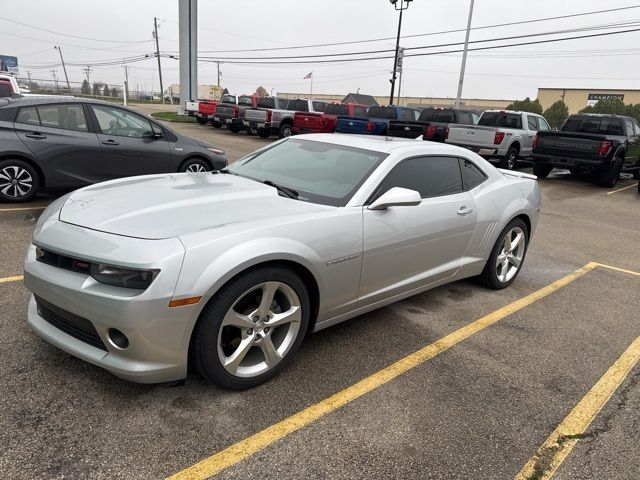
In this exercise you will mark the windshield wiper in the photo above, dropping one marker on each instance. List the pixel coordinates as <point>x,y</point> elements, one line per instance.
<point>224,170</point>
<point>289,192</point>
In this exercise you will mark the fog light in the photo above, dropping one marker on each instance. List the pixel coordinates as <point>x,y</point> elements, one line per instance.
<point>118,338</point>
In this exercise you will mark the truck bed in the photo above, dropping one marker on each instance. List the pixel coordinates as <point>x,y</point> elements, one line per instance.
<point>570,145</point>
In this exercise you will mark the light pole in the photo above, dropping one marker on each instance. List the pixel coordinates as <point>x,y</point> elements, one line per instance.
<point>57,47</point>
<point>464,56</point>
<point>404,4</point>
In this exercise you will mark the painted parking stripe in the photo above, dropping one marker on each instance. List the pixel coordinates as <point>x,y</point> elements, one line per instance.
<point>21,209</point>
<point>621,189</point>
<point>253,444</point>
<point>555,449</point>
<point>11,279</point>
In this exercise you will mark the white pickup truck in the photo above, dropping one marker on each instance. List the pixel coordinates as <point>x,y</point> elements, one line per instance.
<point>503,136</point>
<point>8,86</point>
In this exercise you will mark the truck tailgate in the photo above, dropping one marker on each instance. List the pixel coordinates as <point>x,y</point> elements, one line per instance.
<point>191,106</point>
<point>207,108</point>
<point>255,115</point>
<point>406,129</point>
<point>352,125</point>
<point>226,111</point>
<point>471,135</point>
<point>567,144</point>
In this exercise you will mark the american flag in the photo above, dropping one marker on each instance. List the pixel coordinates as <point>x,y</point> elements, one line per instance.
<point>309,75</point>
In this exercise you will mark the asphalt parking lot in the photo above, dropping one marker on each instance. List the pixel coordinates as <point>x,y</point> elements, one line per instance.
<point>484,377</point>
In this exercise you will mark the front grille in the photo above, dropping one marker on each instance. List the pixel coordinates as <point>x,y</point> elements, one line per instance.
<point>63,261</point>
<point>71,324</point>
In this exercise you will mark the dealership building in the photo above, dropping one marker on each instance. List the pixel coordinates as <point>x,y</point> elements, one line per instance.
<point>578,98</point>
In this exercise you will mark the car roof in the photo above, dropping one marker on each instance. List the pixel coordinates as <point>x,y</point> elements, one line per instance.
<point>50,99</point>
<point>376,143</point>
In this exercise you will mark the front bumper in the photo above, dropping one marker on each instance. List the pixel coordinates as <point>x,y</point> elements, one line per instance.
<point>158,335</point>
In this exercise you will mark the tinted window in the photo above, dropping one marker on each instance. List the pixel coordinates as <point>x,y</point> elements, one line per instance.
<point>532,122</point>
<point>472,176</point>
<point>298,106</point>
<point>245,101</point>
<point>383,112</point>
<point>5,89</point>
<point>320,172</point>
<point>29,116</point>
<point>464,118</point>
<point>336,109</point>
<point>438,115</point>
<point>122,123</point>
<point>629,127</point>
<point>228,99</point>
<point>431,176</point>
<point>542,123</point>
<point>501,119</point>
<point>319,106</point>
<point>592,124</point>
<point>406,114</point>
<point>67,117</point>
<point>267,103</point>
<point>636,128</point>
<point>360,112</point>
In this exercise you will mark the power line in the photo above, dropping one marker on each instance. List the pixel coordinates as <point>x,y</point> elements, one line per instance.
<point>522,22</point>
<point>70,36</point>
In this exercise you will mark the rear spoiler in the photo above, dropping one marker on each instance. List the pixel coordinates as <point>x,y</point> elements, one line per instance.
<point>511,173</point>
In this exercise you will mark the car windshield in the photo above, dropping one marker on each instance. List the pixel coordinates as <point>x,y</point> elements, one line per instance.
<point>597,125</point>
<point>320,172</point>
<point>501,119</point>
<point>438,115</point>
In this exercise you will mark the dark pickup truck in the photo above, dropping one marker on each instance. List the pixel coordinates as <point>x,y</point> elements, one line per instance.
<point>432,123</point>
<point>376,121</point>
<point>604,145</point>
<point>231,114</point>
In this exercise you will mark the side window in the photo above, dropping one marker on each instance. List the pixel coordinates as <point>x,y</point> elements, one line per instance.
<point>28,115</point>
<point>532,122</point>
<point>464,118</point>
<point>636,128</point>
<point>66,117</point>
<point>629,127</point>
<point>472,176</point>
<point>319,106</point>
<point>359,112</point>
<point>416,115</point>
<point>431,176</point>
<point>475,117</point>
<point>406,114</point>
<point>544,126</point>
<point>121,123</point>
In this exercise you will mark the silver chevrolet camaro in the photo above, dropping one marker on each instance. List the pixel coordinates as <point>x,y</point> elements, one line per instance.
<point>227,271</point>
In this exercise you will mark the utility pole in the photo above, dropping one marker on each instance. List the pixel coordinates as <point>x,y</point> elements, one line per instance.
<point>155,35</point>
<point>400,63</point>
<point>55,79</point>
<point>404,4</point>
<point>64,68</point>
<point>126,84</point>
<point>218,63</point>
<point>464,56</point>
<point>29,76</point>
<point>87,71</point>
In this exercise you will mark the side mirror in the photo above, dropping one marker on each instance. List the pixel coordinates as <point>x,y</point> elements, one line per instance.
<point>396,197</point>
<point>152,135</point>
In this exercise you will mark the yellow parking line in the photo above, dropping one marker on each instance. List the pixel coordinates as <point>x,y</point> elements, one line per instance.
<point>621,189</point>
<point>630,272</point>
<point>247,447</point>
<point>21,209</point>
<point>560,443</point>
<point>11,279</point>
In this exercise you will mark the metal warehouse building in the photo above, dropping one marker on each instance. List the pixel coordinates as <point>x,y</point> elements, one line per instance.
<point>579,98</point>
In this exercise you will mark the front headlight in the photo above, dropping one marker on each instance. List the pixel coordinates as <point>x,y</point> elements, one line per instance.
<point>217,151</point>
<point>122,277</point>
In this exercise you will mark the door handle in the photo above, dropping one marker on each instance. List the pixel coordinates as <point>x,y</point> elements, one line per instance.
<point>36,136</point>
<point>110,142</point>
<point>464,210</point>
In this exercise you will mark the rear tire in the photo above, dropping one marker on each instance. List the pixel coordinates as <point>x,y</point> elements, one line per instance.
<point>234,128</point>
<point>541,170</point>
<point>19,181</point>
<point>201,121</point>
<point>233,344</point>
<point>507,257</point>
<point>216,124</point>
<point>609,178</point>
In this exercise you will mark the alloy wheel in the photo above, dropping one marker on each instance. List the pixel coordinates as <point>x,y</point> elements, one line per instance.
<point>511,254</point>
<point>196,167</point>
<point>259,329</point>
<point>511,160</point>
<point>15,182</point>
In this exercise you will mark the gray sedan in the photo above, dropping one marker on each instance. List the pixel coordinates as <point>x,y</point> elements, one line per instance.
<point>64,143</point>
<point>228,271</point>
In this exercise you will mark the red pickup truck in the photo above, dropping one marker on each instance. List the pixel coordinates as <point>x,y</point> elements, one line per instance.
<point>206,112</point>
<point>307,122</point>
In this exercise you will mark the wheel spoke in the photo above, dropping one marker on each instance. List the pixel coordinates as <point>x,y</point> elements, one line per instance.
<point>5,190</point>
<point>233,361</point>
<point>507,243</point>
<point>4,175</point>
<point>294,314</point>
<point>271,355</point>
<point>269,290</point>
<point>516,241</point>
<point>515,261</point>
<point>235,319</point>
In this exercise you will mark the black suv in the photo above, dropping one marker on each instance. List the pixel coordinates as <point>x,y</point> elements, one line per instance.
<point>66,142</point>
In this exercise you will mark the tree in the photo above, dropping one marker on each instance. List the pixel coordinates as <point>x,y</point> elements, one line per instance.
<point>105,91</point>
<point>613,106</point>
<point>262,92</point>
<point>526,105</point>
<point>97,88</point>
<point>633,111</point>
<point>85,89</point>
<point>556,114</point>
<point>114,92</point>
<point>225,92</point>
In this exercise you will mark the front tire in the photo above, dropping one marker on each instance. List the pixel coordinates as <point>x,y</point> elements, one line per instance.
<point>541,171</point>
<point>195,165</point>
<point>252,328</point>
<point>19,181</point>
<point>201,121</point>
<point>285,131</point>
<point>216,124</point>
<point>508,254</point>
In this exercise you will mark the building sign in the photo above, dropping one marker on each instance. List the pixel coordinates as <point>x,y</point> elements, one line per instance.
<point>8,64</point>
<point>596,97</point>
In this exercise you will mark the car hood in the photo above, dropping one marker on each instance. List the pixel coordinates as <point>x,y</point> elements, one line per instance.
<point>164,206</point>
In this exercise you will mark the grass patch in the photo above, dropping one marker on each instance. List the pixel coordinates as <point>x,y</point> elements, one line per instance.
<point>173,117</point>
